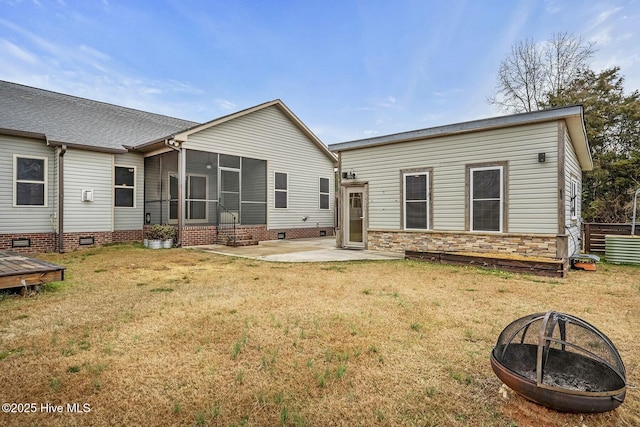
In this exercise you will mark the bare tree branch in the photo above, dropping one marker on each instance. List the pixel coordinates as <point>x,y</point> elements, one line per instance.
<point>532,72</point>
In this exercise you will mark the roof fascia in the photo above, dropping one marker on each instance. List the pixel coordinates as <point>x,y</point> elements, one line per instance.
<point>87,147</point>
<point>183,136</point>
<point>458,128</point>
<point>22,133</point>
<point>578,134</point>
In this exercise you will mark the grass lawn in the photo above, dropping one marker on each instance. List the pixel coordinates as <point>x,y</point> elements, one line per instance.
<point>182,337</point>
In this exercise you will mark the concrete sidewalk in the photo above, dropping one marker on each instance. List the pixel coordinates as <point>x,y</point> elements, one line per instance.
<point>319,249</point>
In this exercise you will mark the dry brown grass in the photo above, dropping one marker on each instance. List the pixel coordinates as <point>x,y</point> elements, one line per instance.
<point>183,337</point>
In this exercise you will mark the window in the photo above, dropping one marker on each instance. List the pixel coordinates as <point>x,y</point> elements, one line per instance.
<point>281,190</point>
<point>30,181</point>
<point>486,204</point>
<point>573,201</point>
<point>125,184</point>
<point>416,200</point>
<point>324,193</point>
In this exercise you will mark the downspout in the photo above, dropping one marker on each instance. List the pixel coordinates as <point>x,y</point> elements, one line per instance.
<point>174,145</point>
<point>63,149</point>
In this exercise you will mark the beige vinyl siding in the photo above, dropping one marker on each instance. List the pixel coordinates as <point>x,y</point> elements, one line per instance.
<point>572,169</point>
<point>532,200</point>
<point>84,170</point>
<point>127,218</point>
<point>25,219</point>
<point>269,135</point>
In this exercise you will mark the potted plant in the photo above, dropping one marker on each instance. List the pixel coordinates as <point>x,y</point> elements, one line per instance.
<point>155,234</point>
<point>169,233</point>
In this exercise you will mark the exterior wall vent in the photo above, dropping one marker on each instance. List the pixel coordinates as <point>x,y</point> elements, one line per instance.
<point>87,195</point>
<point>83,241</point>
<point>282,235</point>
<point>21,243</point>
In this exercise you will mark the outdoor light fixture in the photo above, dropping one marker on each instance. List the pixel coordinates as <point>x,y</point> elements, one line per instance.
<point>349,175</point>
<point>208,165</point>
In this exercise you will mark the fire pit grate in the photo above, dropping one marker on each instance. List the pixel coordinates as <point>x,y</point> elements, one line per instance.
<point>561,362</point>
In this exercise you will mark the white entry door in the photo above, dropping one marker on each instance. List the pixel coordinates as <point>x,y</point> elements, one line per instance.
<point>355,218</point>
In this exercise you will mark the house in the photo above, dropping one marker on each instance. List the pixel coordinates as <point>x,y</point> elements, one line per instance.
<point>76,172</point>
<point>506,185</point>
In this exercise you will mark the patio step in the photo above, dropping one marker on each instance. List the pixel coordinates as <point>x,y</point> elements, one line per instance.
<point>250,242</point>
<point>241,239</point>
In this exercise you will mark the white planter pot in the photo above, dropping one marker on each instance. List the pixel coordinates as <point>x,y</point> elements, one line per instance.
<point>155,244</point>
<point>167,244</point>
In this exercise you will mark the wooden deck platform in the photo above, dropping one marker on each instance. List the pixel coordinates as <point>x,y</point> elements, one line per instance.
<point>17,270</point>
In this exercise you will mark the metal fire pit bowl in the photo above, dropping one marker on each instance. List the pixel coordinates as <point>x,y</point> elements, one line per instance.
<point>561,362</point>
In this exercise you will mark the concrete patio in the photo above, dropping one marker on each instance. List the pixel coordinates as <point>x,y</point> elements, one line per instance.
<point>320,249</point>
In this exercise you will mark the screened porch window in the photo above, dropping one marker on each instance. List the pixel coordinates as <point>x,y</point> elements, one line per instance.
<point>217,187</point>
<point>197,188</point>
<point>30,181</point>
<point>416,200</point>
<point>487,194</point>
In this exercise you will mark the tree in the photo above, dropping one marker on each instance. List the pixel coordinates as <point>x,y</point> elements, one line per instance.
<point>532,72</point>
<point>612,121</point>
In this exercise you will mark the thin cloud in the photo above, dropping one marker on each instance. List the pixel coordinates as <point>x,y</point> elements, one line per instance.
<point>225,104</point>
<point>604,16</point>
<point>17,53</point>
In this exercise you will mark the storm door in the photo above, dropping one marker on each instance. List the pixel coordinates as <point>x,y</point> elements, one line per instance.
<point>355,221</point>
<point>229,194</point>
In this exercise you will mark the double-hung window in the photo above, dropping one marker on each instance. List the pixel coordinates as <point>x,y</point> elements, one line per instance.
<point>30,181</point>
<point>486,187</point>
<point>416,200</point>
<point>125,187</point>
<point>324,193</point>
<point>281,190</point>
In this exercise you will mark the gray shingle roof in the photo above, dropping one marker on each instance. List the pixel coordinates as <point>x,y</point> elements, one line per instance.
<point>81,122</point>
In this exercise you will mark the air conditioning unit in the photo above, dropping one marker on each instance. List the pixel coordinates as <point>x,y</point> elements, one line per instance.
<point>87,195</point>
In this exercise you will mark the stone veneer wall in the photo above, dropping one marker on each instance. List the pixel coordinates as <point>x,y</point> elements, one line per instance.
<point>521,244</point>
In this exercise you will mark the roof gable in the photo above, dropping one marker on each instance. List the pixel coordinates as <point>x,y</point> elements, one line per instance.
<point>184,136</point>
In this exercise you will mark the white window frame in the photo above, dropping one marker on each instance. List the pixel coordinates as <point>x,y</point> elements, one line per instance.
<point>501,199</point>
<point>573,196</point>
<point>135,177</point>
<point>322,193</point>
<point>45,183</point>
<point>426,199</point>
<point>276,190</point>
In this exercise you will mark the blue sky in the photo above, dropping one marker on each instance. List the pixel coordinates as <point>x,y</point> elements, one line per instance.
<point>348,69</point>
